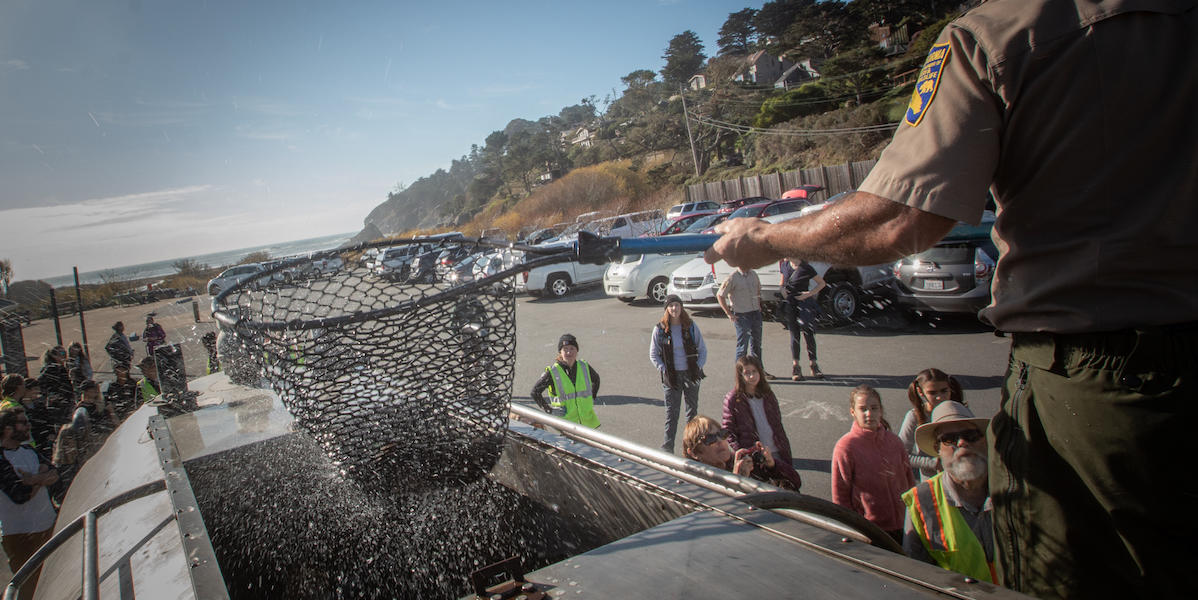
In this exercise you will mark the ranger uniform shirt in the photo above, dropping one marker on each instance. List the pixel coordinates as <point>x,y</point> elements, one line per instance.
<point>1080,116</point>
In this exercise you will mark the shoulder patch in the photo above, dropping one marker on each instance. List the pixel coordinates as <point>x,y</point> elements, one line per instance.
<point>925,86</point>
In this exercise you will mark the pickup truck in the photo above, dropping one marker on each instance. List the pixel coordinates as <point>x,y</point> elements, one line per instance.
<point>557,280</point>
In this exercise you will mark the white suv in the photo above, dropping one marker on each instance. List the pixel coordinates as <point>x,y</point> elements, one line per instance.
<point>643,275</point>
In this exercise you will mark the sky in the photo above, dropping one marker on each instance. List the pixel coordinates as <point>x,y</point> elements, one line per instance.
<point>133,131</point>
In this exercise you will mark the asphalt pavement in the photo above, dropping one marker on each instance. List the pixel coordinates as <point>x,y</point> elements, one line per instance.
<point>884,350</point>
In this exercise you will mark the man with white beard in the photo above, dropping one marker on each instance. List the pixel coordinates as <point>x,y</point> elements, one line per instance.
<point>949,516</point>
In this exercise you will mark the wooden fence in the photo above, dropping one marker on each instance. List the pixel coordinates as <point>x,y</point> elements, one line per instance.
<point>835,179</point>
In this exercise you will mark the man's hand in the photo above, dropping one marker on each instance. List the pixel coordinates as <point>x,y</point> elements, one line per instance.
<point>769,458</point>
<point>741,243</point>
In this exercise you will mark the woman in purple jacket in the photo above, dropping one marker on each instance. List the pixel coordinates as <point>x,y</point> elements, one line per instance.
<point>751,415</point>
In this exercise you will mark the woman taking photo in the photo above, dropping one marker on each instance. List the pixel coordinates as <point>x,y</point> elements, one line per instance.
<point>751,415</point>
<point>676,348</point>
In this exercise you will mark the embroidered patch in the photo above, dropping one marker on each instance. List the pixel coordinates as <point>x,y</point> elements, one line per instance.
<point>925,86</point>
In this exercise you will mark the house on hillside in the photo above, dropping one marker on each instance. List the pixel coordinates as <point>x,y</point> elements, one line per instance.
<point>760,68</point>
<point>799,73</point>
<point>582,136</point>
<point>697,81</point>
<point>892,40</point>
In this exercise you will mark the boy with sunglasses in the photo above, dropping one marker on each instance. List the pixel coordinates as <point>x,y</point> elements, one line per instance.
<point>948,519</point>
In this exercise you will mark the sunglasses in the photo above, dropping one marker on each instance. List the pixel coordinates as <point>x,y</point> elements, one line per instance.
<point>969,435</point>
<point>712,438</point>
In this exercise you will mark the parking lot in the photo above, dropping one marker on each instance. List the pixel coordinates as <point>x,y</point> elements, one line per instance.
<point>885,350</point>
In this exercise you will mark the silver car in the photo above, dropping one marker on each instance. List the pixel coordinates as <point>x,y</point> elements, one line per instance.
<point>953,276</point>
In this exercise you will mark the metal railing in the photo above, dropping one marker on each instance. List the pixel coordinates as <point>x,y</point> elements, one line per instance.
<point>86,522</point>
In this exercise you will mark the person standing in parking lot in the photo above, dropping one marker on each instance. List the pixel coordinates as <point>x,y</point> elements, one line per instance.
<point>677,349</point>
<point>154,335</point>
<point>800,311</point>
<point>740,297</point>
<point>572,384</point>
<point>1050,105</point>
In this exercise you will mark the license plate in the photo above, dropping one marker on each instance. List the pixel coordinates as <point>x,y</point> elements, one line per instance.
<point>933,284</point>
<point>612,288</point>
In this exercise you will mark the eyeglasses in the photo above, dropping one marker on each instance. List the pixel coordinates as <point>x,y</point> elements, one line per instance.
<point>712,438</point>
<point>969,435</point>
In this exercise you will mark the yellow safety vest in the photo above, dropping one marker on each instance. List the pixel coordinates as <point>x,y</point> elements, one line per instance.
<point>575,396</point>
<point>147,390</point>
<point>945,534</point>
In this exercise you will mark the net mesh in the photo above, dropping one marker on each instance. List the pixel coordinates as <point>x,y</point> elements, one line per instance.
<point>398,365</point>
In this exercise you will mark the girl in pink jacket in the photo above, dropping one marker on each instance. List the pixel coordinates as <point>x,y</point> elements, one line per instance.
<point>869,465</point>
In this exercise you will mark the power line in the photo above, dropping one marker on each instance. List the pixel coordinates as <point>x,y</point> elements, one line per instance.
<point>724,125</point>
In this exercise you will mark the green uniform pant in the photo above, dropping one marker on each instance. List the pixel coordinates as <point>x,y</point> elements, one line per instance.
<point>1092,465</point>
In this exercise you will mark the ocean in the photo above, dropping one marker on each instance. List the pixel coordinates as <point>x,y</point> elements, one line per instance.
<point>163,268</point>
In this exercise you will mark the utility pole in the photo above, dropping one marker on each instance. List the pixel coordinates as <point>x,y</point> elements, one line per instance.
<point>687,119</point>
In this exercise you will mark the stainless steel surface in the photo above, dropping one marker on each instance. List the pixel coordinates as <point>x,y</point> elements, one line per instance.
<point>91,564</point>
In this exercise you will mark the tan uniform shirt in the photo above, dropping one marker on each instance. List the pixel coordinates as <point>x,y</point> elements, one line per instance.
<point>742,291</point>
<point>1082,118</point>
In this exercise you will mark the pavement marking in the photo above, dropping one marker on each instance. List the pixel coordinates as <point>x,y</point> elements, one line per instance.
<point>815,409</point>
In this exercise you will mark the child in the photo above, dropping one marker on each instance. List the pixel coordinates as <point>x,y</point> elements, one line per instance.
<point>929,388</point>
<point>752,415</point>
<point>870,471</point>
<point>209,341</point>
<point>573,385</point>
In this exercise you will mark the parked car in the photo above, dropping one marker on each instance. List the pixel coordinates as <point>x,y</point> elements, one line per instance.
<point>707,224</point>
<point>450,257</point>
<point>731,205</point>
<point>558,279</point>
<point>679,224</point>
<point>690,207</point>
<point>542,235</point>
<point>395,263</point>
<point>627,225</point>
<point>803,192</point>
<point>463,270</point>
<point>696,282</point>
<point>646,275</point>
<point>423,267</point>
<point>232,276</point>
<point>765,209</point>
<point>954,276</point>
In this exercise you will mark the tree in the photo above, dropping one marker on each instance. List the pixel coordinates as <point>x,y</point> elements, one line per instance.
<point>189,267</point>
<point>856,73</point>
<point>254,257</point>
<point>824,29</point>
<point>736,36</point>
<point>774,18</point>
<point>5,273</point>
<point>684,56</point>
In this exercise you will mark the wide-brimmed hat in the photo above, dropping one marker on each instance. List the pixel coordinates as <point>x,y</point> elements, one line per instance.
<point>945,413</point>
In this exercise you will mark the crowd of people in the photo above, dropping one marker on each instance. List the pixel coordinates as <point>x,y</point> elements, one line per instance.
<point>895,480</point>
<point>50,425</point>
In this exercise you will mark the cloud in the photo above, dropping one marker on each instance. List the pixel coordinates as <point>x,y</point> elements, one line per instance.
<point>443,105</point>
<point>128,208</point>
<point>269,107</point>
<point>256,132</point>
<point>14,64</point>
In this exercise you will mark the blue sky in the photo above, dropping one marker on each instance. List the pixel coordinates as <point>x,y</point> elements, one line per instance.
<point>141,130</point>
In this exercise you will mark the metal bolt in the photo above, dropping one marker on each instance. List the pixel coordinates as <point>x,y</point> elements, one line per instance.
<point>845,540</point>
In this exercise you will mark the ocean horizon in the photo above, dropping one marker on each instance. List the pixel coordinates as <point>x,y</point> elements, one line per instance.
<point>163,268</point>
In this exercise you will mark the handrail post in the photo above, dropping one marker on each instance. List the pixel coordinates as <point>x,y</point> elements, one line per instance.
<point>91,558</point>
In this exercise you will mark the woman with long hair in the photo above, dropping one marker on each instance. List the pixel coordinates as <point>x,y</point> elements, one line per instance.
<point>929,388</point>
<point>751,415</point>
<point>677,349</point>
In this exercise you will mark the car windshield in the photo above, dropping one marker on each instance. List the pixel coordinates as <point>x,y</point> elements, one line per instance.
<point>751,210</point>
<point>705,222</point>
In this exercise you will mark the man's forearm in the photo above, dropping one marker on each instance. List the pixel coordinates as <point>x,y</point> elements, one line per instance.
<point>862,229</point>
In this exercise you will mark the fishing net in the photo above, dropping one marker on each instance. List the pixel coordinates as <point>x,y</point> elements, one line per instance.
<point>402,374</point>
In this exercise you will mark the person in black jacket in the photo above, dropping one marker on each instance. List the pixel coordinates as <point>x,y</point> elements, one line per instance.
<point>118,347</point>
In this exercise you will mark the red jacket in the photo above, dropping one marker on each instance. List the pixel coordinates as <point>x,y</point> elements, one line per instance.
<point>742,432</point>
<point>869,475</point>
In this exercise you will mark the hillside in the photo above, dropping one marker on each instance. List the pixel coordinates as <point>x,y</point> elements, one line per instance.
<point>793,84</point>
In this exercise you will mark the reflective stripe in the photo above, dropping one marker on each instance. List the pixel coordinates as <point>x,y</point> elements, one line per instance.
<point>944,533</point>
<point>575,397</point>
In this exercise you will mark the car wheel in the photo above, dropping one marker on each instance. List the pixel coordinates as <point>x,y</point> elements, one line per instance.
<point>558,286</point>
<point>842,302</point>
<point>658,290</point>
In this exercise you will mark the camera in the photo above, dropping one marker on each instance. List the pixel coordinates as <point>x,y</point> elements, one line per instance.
<point>758,458</point>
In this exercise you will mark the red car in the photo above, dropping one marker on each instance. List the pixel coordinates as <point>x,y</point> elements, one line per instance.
<point>681,223</point>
